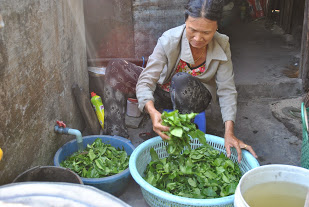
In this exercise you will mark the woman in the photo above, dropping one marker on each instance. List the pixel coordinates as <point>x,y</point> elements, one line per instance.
<point>190,65</point>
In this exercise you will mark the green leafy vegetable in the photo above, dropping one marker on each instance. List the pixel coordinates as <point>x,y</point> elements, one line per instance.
<point>181,129</point>
<point>200,173</point>
<point>97,160</point>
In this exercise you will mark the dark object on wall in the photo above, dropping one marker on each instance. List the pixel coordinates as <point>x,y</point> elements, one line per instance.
<point>304,59</point>
<point>85,107</point>
<point>49,174</point>
<point>96,80</point>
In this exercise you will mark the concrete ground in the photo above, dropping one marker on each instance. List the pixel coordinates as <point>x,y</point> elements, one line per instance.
<point>270,94</point>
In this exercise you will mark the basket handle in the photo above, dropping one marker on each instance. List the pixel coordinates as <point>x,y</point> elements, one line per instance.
<point>304,118</point>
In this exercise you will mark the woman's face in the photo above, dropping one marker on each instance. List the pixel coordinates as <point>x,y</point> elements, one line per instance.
<point>200,31</point>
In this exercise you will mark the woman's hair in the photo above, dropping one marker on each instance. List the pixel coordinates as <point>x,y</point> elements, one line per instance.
<point>209,9</point>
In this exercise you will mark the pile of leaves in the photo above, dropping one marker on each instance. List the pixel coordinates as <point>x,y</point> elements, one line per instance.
<point>97,160</point>
<point>181,130</point>
<point>200,173</point>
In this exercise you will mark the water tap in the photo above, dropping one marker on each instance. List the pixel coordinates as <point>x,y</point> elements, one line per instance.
<point>61,128</point>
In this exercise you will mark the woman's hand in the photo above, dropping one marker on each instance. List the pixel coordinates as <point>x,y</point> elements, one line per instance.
<point>230,140</point>
<point>156,120</point>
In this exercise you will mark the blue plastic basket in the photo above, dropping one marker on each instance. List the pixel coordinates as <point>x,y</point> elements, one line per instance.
<point>155,197</point>
<point>114,184</point>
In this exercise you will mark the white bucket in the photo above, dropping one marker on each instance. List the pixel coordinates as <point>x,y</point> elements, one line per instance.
<point>132,108</point>
<point>269,173</point>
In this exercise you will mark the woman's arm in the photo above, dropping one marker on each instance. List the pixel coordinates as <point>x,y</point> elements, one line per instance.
<point>230,140</point>
<point>228,102</point>
<point>146,86</point>
<point>149,77</point>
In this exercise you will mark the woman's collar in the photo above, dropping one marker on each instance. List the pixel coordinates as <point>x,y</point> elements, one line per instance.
<point>215,51</point>
<point>185,51</point>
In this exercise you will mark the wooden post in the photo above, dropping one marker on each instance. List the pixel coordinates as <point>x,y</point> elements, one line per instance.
<point>304,59</point>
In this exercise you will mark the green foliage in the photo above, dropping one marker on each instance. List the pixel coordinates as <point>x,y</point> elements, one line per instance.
<point>181,129</point>
<point>97,160</point>
<point>200,173</point>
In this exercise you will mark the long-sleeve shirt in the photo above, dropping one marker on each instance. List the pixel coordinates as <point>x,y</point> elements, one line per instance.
<point>218,77</point>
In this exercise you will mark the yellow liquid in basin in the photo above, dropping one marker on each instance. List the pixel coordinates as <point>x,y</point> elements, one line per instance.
<point>276,194</point>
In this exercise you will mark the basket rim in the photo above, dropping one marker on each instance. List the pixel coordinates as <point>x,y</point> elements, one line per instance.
<point>304,117</point>
<point>120,175</point>
<point>174,198</point>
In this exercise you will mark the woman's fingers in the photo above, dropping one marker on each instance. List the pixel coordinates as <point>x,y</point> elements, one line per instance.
<point>156,121</point>
<point>228,151</point>
<point>163,136</point>
<point>159,129</point>
<point>239,155</point>
<point>237,147</point>
<point>250,149</point>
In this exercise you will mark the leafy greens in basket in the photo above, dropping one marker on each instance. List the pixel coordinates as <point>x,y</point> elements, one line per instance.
<point>97,160</point>
<point>198,173</point>
<point>181,129</point>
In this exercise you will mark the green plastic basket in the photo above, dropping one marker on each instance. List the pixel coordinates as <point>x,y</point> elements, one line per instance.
<point>155,197</point>
<point>305,145</point>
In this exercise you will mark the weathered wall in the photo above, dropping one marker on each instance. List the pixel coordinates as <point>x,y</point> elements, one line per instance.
<point>128,28</point>
<point>109,28</point>
<point>151,19</point>
<point>42,53</point>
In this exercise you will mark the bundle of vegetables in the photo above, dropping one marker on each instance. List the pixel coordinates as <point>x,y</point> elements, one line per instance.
<point>97,160</point>
<point>200,173</point>
<point>181,129</point>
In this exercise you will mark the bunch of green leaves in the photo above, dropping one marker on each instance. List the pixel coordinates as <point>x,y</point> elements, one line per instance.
<point>200,173</point>
<point>181,130</point>
<point>97,160</point>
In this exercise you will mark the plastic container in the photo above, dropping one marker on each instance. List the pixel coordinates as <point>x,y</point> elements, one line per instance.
<point>199,120</point>
<point>114,184</point>
<point>155,197</point>
<point>49,174</point>
<point>132,108</point>
<point>269,173</point>
<point>1,154</point>
<point>98,107</point>
<point>86,109</point>
<point>37,194</point>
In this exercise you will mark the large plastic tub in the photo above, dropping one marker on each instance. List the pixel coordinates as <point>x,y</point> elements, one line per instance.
<point>49,174</point>
<point>114,184</point>
<point>51,194</point>
<point>155,197</point>
<point>273,173</point>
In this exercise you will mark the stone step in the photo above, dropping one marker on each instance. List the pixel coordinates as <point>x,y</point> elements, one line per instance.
<point>283,88</point>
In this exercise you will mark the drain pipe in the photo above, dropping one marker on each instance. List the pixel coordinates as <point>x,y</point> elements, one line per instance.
<point>62,129</point>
